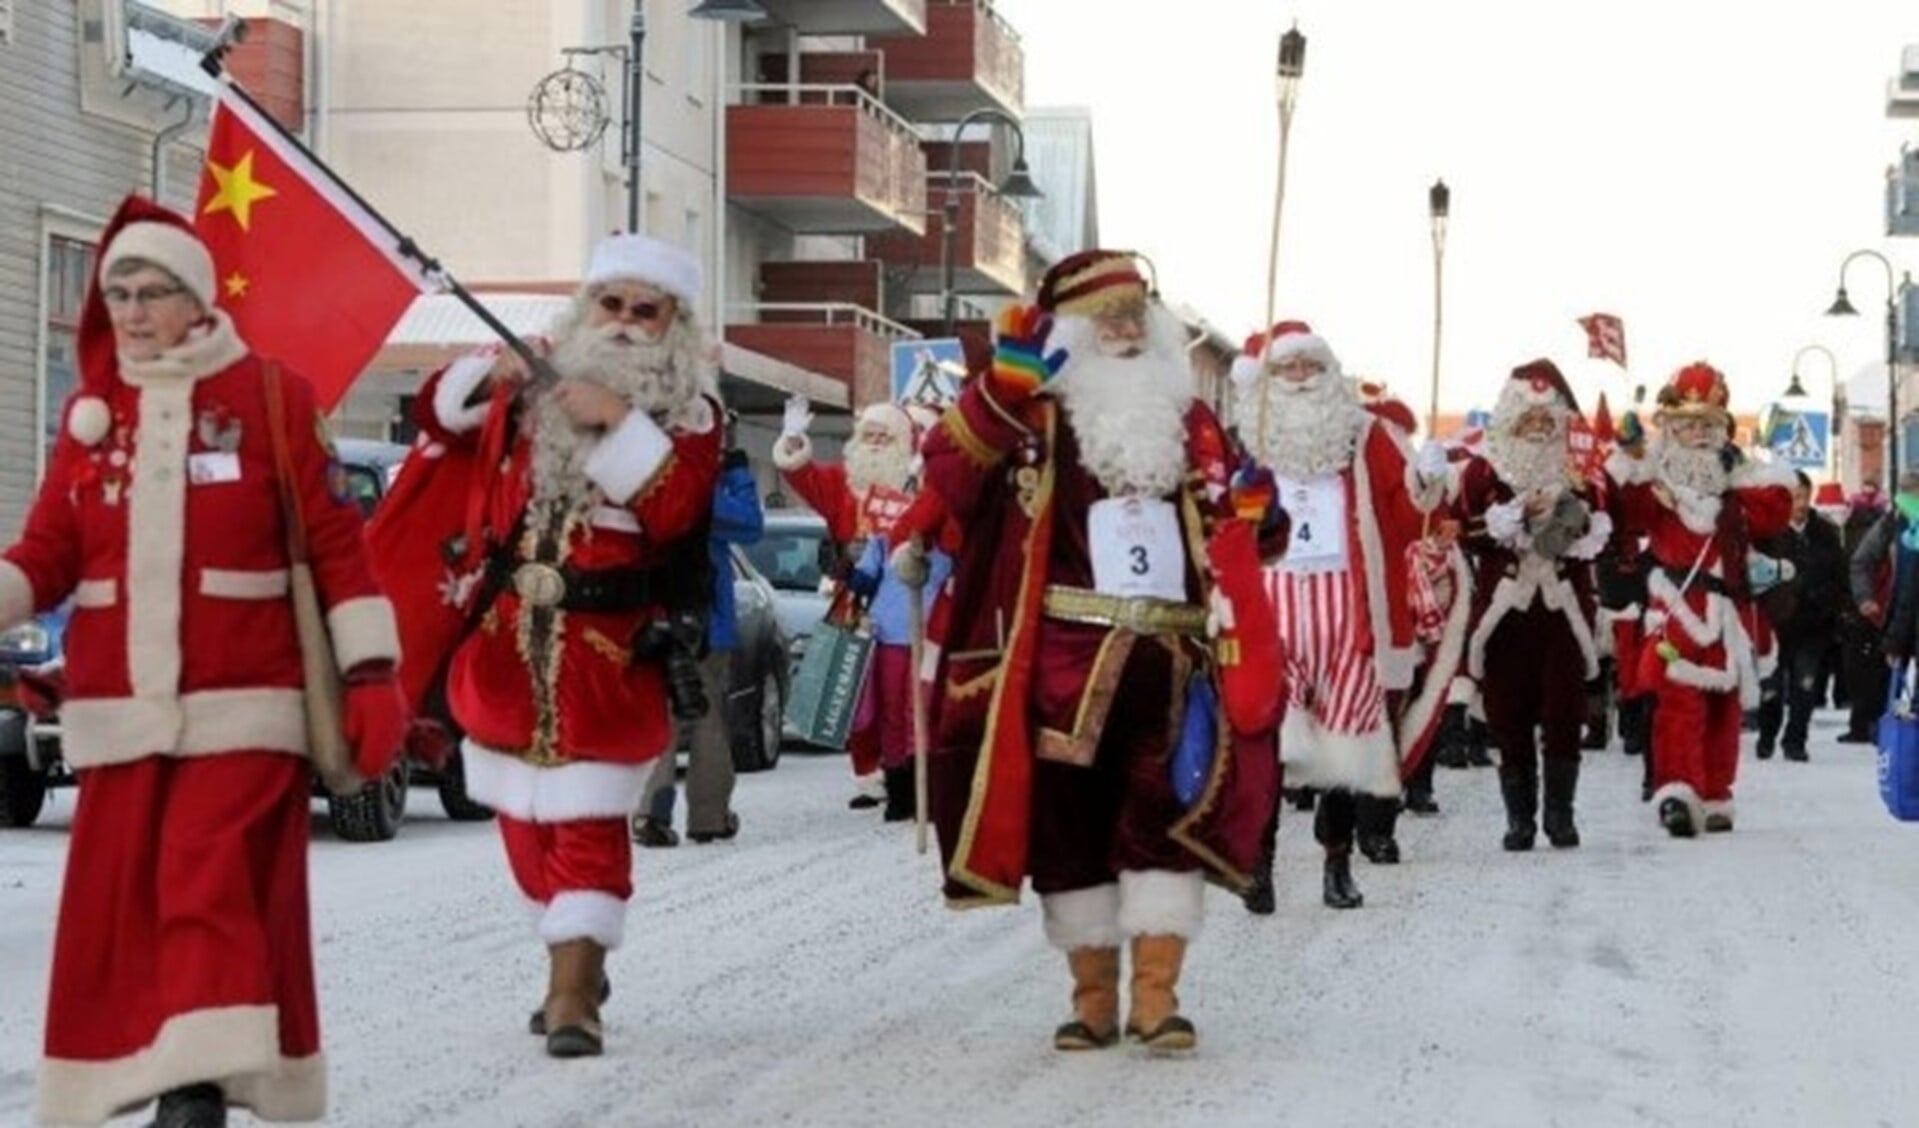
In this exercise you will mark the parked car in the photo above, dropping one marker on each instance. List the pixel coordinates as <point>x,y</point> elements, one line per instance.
<point>756,699</point>
<point>798,558</point>
<point>30,763</point>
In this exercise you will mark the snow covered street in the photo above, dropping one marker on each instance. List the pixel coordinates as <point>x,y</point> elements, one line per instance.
<point>807,974</point>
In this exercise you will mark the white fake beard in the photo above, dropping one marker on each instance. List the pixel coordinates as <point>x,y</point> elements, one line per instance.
<point>1697,471</point>
<point>867,466</point>
<point>1310,429</point>
<point>1127,412</point>
<point>1529,465</point>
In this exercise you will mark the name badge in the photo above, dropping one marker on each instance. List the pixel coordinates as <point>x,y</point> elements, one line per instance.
<point>1137,548</point>
<point>213,466</point>
<point>1317,510</point>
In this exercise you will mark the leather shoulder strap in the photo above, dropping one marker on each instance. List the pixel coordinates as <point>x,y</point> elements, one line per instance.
<point>294,518</point>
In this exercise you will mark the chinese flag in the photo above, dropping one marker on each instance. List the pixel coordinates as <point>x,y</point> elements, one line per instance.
<point>309,276</point>
<point>1605,337</point>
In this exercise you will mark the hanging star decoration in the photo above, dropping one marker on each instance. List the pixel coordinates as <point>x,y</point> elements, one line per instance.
<point>237,190</point>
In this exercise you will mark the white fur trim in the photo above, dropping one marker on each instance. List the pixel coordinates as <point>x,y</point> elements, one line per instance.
<point>1700,514</point>
<point>1755,475</point>
<point>1161,903</point>
<point>1082,918</point>
<point>89,420</point>
<point>1720,807</point>
<point>116,730</point>
<point>363,630</point>
<point>1599,530</point>
<point>789,460</point>
<point>97,594</point>
<point>1667,598</point>
<point>582,789</point>
<point>1506,523</point>
<point>1366,762</point>
<point>16,595</point>
<point>156,538</point>
<point>1245,369</point>
<point>584,914</point>
<point>641,259</point>
<point>239,1045</point>
<point>166,245</point>
<point>1395,664</point>
<point>1418,721</point>
<point>222,583</point>
<point>1626,470</point>
<point>625,459</point>
<point>1682,791</point>
<point>1463,690</point>
<point>456,386</point>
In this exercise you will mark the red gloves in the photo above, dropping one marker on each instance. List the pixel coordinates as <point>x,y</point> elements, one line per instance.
<point>376,718</point>
<point>1251,674</point>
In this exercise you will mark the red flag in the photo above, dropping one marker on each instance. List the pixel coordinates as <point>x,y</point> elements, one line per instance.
<point>308,275</point>
<point>1605,337</point>
<point>1602,422</point>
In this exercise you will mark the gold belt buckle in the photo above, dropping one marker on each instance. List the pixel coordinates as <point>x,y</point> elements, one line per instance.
<point>539,585</point>
<point>1130,612</point>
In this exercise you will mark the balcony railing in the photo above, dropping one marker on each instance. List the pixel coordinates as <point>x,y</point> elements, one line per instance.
<point>846,342</point>
<point>850,17</point>
<point>823,159</point>
<point>988,248</point>
<point>969,59</point>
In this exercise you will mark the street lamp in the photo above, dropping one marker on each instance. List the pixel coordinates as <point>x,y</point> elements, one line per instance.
<point>1018,185</point>
<point>1439,200</point>
<point>1796,394</point>
<point>1842,307</point>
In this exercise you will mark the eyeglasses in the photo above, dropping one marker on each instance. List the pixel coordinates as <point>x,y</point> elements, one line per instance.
<point>642,310</point>
<point>144,296</point>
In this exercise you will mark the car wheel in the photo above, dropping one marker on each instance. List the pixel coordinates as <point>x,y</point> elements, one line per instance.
<point>761,722</point>
<point>23,792</point>
<point>374,813</point>
<point>453,795</point>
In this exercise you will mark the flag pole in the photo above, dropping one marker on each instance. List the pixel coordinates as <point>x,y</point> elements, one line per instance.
<point>214,63</point>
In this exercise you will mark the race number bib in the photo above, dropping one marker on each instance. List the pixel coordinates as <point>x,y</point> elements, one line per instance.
<point>1137,548</point>
<point>880,508</point>
<point>1317,509</point>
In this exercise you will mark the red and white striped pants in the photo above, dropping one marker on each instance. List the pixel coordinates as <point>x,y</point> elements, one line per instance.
<point>1327,673</point>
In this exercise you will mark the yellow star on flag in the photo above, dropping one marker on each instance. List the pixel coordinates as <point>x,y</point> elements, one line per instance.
<point>236,284</point>
<point>237,190</point>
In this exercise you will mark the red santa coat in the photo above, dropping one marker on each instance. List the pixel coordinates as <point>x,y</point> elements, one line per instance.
<point>1708,622</point>
<point>850,514</point>
<point>598,709</point>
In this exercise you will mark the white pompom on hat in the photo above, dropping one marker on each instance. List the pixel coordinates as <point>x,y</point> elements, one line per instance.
<point>89,420</point>
<point>637,258</point>
<point>173,248</point>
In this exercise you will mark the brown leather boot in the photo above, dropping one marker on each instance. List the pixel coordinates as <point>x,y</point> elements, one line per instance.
<point>572,1009</point>
<point>1095,1023</point>
<point>1156,1020</point>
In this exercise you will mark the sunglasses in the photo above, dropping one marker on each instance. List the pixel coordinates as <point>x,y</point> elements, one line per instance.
<point>145,295</point>
<point>643,310</point>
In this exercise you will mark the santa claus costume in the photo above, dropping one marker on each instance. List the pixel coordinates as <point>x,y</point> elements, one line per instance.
<point>1700,505</point>
<point>559,687</point>
<point>1363,697</point>
<point>1077,740</point>
<point>860,499</point>
<point>1532,529</point>
<point>182,965</point>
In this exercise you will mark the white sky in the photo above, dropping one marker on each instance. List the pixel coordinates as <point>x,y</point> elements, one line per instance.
<point>1699,168</point>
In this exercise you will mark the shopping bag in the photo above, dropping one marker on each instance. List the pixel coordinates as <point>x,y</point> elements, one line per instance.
<point>1899,750</point>
<point>826,686</point>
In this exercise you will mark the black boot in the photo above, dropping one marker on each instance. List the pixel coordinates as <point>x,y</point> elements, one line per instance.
<point>1340,892</point>
<point>1449,747</point>
<point>1561,782</point>
<point>1419,789</point>
<point>1478,754</point>
<point>1519,787</point>
<point>1260,897</point>
<point>1377,822</point>
<point>1676,817</point>
<point>192,1106</point>
<point>1634,717</point>
<point>900,804</point>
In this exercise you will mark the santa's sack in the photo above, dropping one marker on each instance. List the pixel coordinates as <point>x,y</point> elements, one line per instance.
<point>1899,750</point>
<point>826,685</point>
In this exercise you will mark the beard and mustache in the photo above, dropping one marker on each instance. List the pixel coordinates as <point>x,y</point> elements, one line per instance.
<point>1696,470</point>
<point>1128,412</point>
<point>1302,430</point>
<point>867,465</point>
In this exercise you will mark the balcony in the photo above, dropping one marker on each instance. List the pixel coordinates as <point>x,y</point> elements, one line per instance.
<point>848,343</point>
<point>988,251</point>
<point>849,17</point>
<point>969,59</point>
<point>825,160</point>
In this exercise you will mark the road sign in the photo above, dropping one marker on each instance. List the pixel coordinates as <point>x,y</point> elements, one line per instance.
<point>1799,438</point>
<point>928,371</point>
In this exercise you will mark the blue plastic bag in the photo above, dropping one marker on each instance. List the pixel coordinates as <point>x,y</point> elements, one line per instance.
<point>1899,751</point>
<point>1198,740</point>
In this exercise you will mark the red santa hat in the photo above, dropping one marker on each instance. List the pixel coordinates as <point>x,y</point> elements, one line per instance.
<point>1537,383</point>
<point>1696,391</point>
<point>1378,399</point>
<point>1285,340</point>
<point>637,258</point>
<point>1080,285</point>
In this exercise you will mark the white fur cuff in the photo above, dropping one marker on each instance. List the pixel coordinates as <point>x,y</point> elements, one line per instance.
<point>1161,903</point>
<point>1626,470</point>
<point>625,460</point>
<point>16,595</point>
<point>363,630</point>
<point>793,459</point>
<point>580,789</point>
<point>584,914</point>
<point>1598,532</point>
<point>1754,474</point>
<point>1082,918</point>
<point>1506,523</point>
<point>1682,791</point>
<point>456,386</point>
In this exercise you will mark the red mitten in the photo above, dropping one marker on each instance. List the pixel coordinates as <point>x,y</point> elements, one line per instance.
<point>376,718</point>
<point>40,694</point>
<point>1251,681</point>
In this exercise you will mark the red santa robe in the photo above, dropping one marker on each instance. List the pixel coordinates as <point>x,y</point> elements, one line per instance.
<point>1347,625</point>
<point>560,748</point>
<point>1697,612</point>
<point>183,951</point>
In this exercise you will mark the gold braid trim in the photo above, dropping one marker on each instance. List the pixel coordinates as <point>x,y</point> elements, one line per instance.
<point>977,450</point>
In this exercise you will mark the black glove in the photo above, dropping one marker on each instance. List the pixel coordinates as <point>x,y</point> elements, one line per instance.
<point>1730,458</point>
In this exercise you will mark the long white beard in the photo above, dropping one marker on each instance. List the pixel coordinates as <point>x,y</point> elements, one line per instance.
<point>1697,470</point>
<point>1128,413</point>
<point>1529,465</point>
<point>867,466</point>
<point>1307,431</point>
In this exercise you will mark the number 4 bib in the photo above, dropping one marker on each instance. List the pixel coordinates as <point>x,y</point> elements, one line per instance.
<point>1137,548</point>
<point>1317,509</point>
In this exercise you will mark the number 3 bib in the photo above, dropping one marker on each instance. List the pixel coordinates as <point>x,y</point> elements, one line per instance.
<point>1137,548</point>
<point>1317,509</point>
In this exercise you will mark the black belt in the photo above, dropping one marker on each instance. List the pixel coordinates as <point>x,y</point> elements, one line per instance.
<point>1712,584</point>
<point>566,588</point>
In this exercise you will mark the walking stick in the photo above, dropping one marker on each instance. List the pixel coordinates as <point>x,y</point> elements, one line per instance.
<point>916,654</point>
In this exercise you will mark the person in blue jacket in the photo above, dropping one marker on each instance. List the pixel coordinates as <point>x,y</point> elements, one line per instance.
<point>737,519</point>
<point>889,611</point>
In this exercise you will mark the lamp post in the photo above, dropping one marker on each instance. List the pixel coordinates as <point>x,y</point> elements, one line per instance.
<point>1292,64</point>
<point>1842,307</point>
<point>1796,392</point>
<point>1439,200</point>
<point>1018,185</point>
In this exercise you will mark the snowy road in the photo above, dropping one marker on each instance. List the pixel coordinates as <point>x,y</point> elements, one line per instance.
<point>807,975</point>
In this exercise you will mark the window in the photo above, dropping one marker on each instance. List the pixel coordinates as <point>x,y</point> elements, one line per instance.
<point>69,264</point>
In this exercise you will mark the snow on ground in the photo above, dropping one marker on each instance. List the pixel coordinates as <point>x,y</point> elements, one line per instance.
<point>807,974</point>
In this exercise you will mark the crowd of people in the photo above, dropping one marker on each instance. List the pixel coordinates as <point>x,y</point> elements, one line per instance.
<point>1137,623</point>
